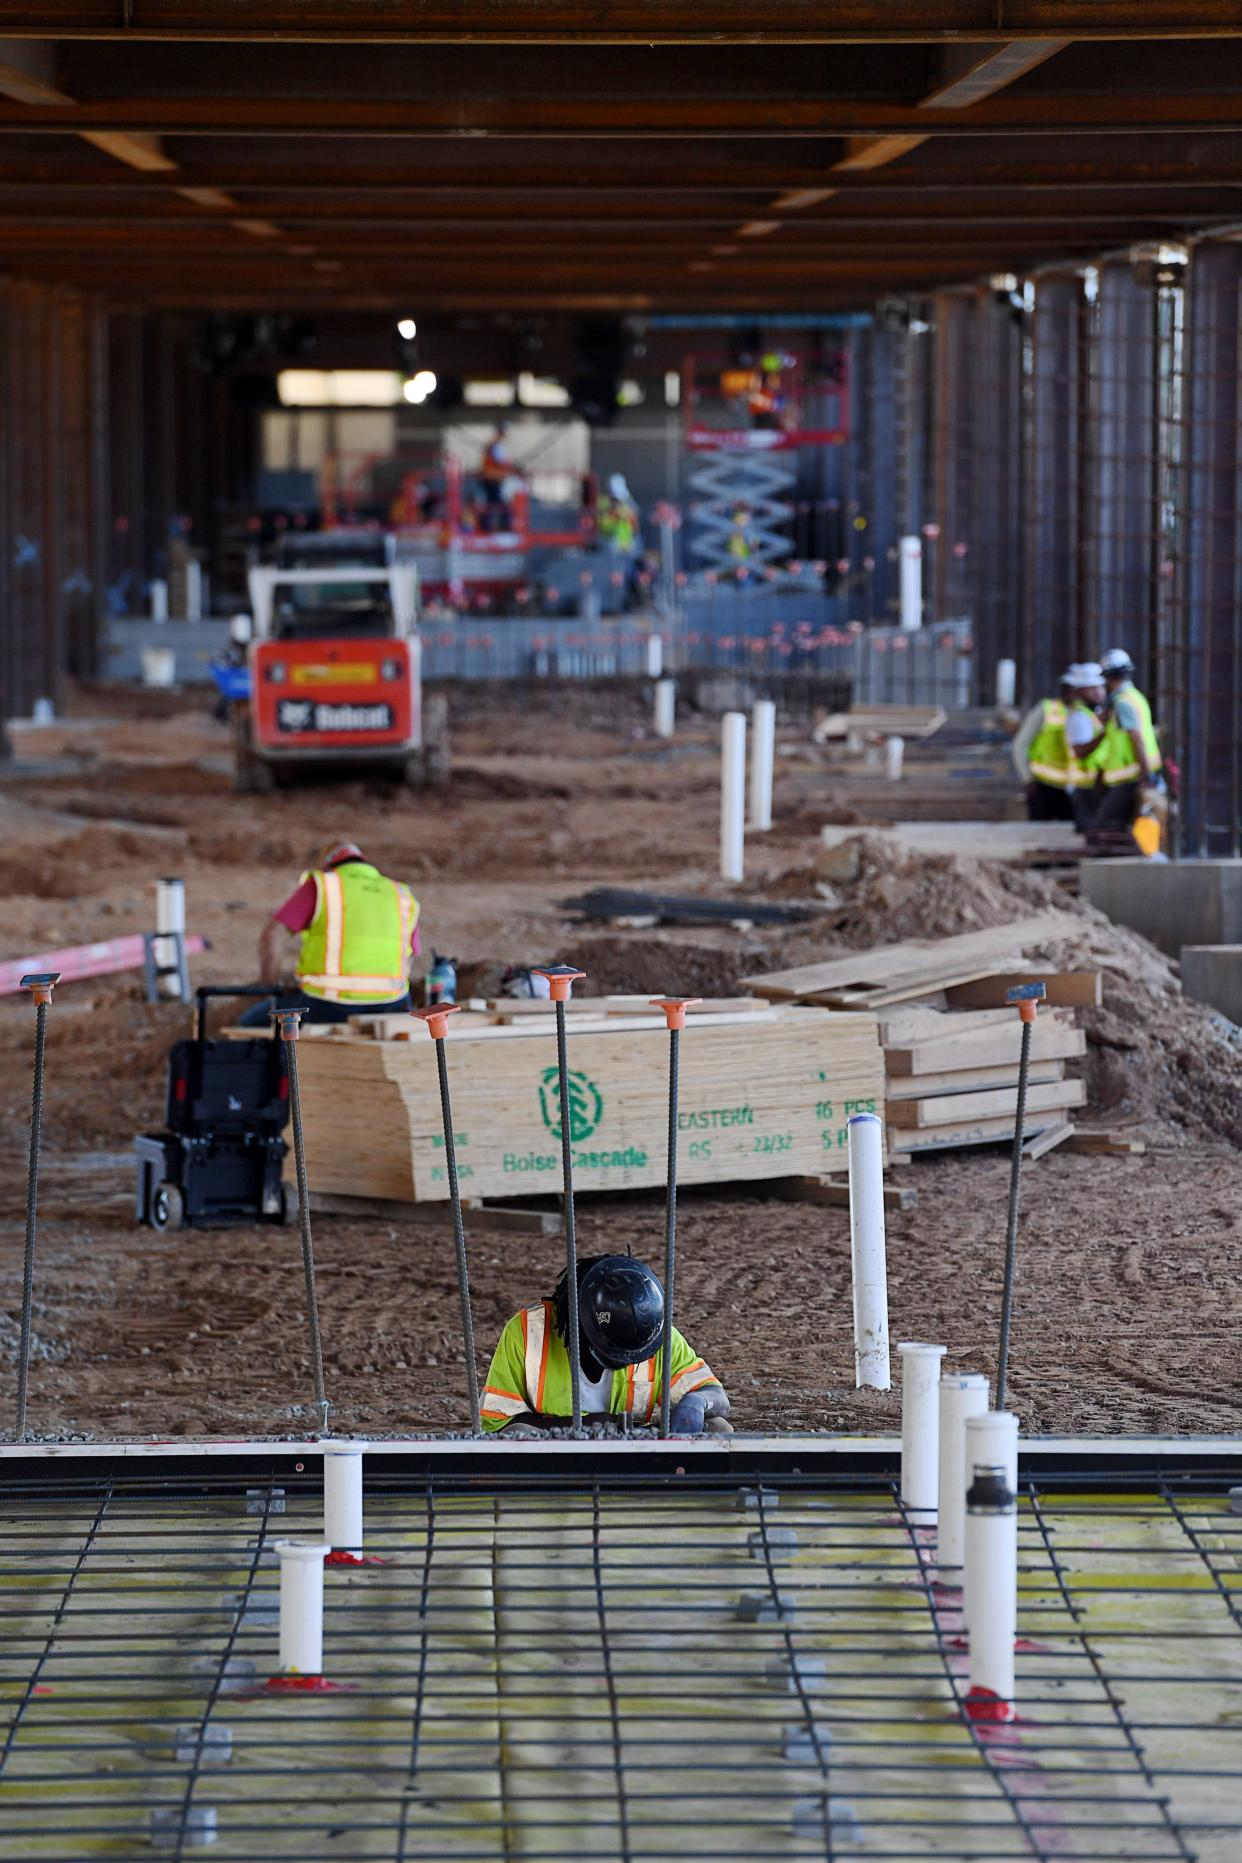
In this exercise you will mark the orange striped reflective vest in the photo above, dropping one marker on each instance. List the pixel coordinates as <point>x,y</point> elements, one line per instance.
<point>1050,759</point>
<point>530,1371</point>
<point>356,949</point>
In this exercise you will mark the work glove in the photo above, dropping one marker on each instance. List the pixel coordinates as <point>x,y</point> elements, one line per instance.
<point>689,1415</point>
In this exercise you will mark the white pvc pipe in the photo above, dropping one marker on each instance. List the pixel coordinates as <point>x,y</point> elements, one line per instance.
<point>193,590</point>
<point>894,758</point>
<point>655,655</point>
<point>962,1394</point>
<point>991,1582</point>
<point>762,763</point>
<point>1006,681</point>
<point>920,1430</point>
<point>169,918</point>
<point>301,1606</point>
<point>870,1272</point>
<point>665,707</point>
<point>159,599</point>
<point>911,549</point>
<point>342,1496</point>
<point>733,796</point>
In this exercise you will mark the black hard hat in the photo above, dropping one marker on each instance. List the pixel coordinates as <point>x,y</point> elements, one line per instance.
<point>620,1311</point>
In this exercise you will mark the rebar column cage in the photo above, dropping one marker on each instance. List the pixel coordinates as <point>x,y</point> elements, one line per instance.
<point>693,1657</point>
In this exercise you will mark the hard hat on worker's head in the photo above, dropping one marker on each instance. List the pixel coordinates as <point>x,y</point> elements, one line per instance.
<point>620,1310</point>
<point>1072,676</point>
<point>1090,673</point>
<point>339,853</point>
<point>1116,664</point>
<point>617,486</point>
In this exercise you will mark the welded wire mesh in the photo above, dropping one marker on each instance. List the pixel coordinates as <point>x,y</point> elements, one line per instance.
<point>609,1668</point>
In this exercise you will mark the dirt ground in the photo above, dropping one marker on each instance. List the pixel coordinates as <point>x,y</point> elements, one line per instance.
<point>1127,1309</point>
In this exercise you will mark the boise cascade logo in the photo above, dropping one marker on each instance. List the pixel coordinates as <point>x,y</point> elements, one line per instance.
<point>586,1105</point>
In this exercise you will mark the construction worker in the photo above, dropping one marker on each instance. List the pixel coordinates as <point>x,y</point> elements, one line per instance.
<point>617,524</point>
<point>358,932</point>
<point>620,1326</point>
<point>496,470</point>
<point>1125,754</point>
<point>1042,756</point>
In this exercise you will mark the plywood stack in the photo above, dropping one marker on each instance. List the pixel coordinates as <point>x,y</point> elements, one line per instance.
<point>765,1092</point>
<point>952,1076</point>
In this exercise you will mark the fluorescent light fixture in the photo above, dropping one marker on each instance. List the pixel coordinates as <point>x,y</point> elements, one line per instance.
<point>338,388</point>
<point>408,329</point>
<point>540,391</point>
<point>489,394</point>
<point>758,229</point>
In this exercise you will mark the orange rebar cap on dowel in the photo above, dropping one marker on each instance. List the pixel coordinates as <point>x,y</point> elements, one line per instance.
<point>560,979</point>
<point>436,1018</point>
<point>675,1008</point>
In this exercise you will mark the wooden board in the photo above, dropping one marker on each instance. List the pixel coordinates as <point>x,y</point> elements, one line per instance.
<point>837,1196</point>
<point>1050,1041</point>
<point>1067,989</point>
<point>1048,1141</point>
<point>1107,1144</point>
<point>913,721</point>
<point>969,1079</point>
<point>1021,842</point>
<point>908,1143</point>
<point>994,1103</point>
<point>917,967</point>
<point>762,1096</point>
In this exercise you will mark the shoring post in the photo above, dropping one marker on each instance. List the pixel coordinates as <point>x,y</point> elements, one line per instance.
<point>560,980</point>
<point>991,1578</point>
<point>867,1251</point>
<point>40,984</point>
<point>287,1021</point>
<point>436,1019</point>
<point>674,1008</point>
<point>920,1430</point>
<point>963,1394</point>
<point>1026,997</point>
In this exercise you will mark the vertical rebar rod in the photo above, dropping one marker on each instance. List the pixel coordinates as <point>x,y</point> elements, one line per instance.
<point>41,988</point>
<point>571,1235</point>
<point>459,1235</point>
<point>1011,1232</point>
<point>288,1023</point>
<point>670,1230</point>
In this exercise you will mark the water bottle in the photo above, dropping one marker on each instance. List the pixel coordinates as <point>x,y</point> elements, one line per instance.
<point>440,985</point>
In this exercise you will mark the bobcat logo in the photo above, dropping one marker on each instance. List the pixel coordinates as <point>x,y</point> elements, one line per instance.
<point>295,714</point>
<point>586,1105</point>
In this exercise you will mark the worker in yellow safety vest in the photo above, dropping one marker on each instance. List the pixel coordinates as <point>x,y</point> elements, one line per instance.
<point>357,931</point>
<point>620,1328</point>
<point>1042,755</point>
<point>1124,757</point>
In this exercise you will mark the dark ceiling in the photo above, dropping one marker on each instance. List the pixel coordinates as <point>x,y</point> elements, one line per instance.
<point>582,155</point>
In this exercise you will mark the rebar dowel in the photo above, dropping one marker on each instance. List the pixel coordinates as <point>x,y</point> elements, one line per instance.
<point>571,1235</point>
<point>32,1210</point>
<point>288,1024</point>
<point>670,1231</point>
<point>1011,1232</point>
<point>459,1236</point>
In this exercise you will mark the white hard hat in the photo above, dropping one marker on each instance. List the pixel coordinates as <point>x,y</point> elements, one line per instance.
<point>617,486</point>
<point>1090,673</point>
<point>1072,676</point>
<point>1117,660</point>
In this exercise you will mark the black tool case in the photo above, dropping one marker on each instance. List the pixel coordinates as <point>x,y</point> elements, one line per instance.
<point>220,1157</point>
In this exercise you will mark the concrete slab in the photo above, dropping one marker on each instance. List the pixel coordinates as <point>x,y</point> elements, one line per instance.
<point>1212,973</point>
<point>1174,903</point>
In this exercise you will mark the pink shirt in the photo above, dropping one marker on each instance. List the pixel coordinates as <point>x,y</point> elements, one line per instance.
<point>299,909</point>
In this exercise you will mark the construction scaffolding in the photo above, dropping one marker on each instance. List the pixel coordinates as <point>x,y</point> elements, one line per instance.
<point>612,1656</point>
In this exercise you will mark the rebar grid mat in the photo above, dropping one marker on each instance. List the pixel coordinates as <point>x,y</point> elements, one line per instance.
<point>556,1668</point>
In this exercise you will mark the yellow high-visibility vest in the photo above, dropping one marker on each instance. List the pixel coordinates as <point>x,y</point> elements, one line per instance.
<point>530,1370</point>
<point>1050,759</point>
<point>356,948</point>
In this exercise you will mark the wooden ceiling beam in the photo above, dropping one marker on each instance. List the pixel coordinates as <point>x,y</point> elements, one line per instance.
<point>773,117</point>
<point>686,22</point>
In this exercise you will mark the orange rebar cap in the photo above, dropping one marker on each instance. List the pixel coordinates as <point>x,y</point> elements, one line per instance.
<point>1026,998</point>
<point>675,1008</point>
<point>288,1022</point>
<point>560,979</point>
<point>436,1018</point>
<point>41,983</point>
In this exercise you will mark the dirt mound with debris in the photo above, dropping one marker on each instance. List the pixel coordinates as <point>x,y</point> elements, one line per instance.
<point>896,895</point>
<point>70,868</point>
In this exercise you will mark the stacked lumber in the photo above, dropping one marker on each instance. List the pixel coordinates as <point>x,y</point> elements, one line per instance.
<point>1021,844</point>
<point>908,721</point>
<point>952,1077</point>
<point>897,973</point>
<point>765,1093</point>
